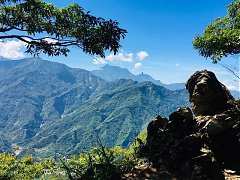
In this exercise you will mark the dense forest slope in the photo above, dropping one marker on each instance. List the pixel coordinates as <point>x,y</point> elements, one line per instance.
<point>47,107</point>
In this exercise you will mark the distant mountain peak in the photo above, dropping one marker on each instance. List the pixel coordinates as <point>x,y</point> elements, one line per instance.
<point>115,68</point>
<point>113,73</point>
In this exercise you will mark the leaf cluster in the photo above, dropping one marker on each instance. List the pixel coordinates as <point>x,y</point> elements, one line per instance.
<point>45,28</point>
<point>222,37</point>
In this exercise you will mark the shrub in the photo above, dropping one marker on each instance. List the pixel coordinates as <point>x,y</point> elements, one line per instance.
<point>24,168</point>
<point>100,163</point>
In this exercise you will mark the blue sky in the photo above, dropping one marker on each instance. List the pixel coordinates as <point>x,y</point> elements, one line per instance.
<point>163,30</point>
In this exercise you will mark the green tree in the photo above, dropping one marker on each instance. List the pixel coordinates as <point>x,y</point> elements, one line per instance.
<point>222,37</point>
<point>47,29</point>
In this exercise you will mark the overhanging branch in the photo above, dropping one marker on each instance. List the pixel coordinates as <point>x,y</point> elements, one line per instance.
<point>47,40</point>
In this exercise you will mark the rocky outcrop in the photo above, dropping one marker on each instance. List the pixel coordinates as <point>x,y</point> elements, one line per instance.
<point>207,95</point>
<point>222,132</point>
<point>198,144</point>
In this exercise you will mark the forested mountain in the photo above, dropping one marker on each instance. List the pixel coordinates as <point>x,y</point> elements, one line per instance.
<point>47,107</point>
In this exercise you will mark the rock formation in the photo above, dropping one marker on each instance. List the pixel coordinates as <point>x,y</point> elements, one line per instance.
<point>207,95</point>
<point>202,143</point>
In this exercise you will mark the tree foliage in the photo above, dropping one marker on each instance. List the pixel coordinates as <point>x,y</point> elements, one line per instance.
<point>100,163</point>
<point>45,28</point>
<point>222,37</point>
<point>23,168</point>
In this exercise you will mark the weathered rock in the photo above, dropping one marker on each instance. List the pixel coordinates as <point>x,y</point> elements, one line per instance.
<point>215,125</point>
<point>181,122</point>
<point>158,124</point>
<point>172,144</point>
<point>207,94</point>
<point>156,142</point>
<point>198,147</point>
<point>205,167</point>
<point>154,129</point>
<point>223,134</point>
<point>147,172</point>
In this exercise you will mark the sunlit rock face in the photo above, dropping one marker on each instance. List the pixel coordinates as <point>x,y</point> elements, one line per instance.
<point>207,95</point>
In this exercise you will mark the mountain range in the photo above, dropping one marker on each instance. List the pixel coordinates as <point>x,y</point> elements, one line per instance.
<point>48,108</point>
<point>113,73</point>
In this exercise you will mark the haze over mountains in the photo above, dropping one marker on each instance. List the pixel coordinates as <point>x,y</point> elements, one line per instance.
<point>112,73</point>
<point>47,107</point>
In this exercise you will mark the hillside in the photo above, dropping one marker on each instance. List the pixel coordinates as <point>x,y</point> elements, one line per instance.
<point>196,141</point>
<point>48,107</point>
<point>116,117</point>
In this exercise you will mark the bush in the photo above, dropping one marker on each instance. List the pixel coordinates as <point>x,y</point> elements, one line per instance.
<point>24,168</point>
<point>139,142</point>
<point>100,163</point>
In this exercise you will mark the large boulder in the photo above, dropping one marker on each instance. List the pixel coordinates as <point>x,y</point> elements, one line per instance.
<point>207,95</point>
<point>175,145</point>
<point>199,145</point>
<point>217,116</point>
<point>223,134</point>
<point>181,123</point>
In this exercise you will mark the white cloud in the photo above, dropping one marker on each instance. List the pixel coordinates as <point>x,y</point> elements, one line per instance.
<point>121,57</point>
<point>12,49</point>
<point>137,66</point>
<point>124,57</point>
<point>177,65</point>
<point>98,61</point>
<point>50,40</point>
<point>142,55</point>
<point>127,57</point>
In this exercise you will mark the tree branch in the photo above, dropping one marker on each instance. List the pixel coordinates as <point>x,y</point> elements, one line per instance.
<point>23,38</point>
<point>51,30</point>
<point>230,70</point>
<point>5,29</point>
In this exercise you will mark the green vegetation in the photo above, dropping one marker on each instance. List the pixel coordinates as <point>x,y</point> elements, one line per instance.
<point>24,168</point>
<point>49,108</point>
<point>221,38</point>
<point>45,28</point>
<point>99,163</point>
<point>138,142</point>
